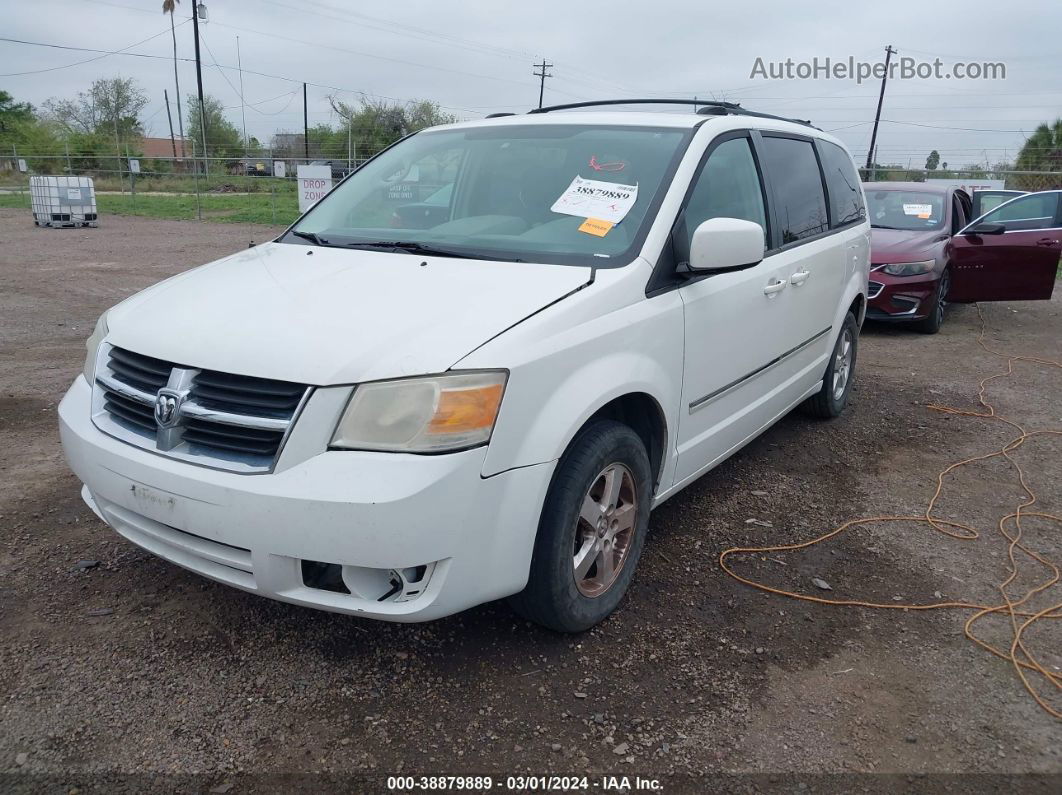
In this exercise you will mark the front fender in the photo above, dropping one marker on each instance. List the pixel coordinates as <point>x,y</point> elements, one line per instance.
<point>563,368</point>
<point>539,427</point>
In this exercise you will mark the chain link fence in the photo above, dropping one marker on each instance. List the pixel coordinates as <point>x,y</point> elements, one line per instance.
<point>253,189</point>
<point>971,179</point>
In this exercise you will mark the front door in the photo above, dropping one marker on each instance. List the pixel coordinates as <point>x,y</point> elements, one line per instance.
<point>737,323</point>
<point>1017,260</point>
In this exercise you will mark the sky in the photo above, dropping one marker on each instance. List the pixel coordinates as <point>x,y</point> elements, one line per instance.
<point>476,58</point>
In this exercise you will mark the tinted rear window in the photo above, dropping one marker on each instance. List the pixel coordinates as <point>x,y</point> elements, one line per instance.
<point>796,183</point>
<point>846,199</point>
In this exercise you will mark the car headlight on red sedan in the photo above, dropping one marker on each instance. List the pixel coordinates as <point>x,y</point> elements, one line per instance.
<point>909,268</point>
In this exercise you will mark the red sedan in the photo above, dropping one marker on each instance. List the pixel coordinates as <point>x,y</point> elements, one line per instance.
<point>926,252</point>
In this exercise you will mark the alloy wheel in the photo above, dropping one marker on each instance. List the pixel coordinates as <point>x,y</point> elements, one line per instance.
<point>842,364</point>
<point>942,295</point>
<point>605,530</point>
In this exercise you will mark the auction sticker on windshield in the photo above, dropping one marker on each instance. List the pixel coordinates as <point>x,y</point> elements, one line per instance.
<point>920,210</point>
<point>591,198</point>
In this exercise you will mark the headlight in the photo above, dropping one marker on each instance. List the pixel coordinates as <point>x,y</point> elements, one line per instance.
<point>422,415</point>
<point>92,344</point>
<point>909,268</point>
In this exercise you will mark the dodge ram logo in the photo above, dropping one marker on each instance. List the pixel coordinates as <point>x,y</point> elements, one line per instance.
<point>167,407</point>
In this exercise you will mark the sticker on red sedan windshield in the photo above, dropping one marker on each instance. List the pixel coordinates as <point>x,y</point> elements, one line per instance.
<point>921,210</point>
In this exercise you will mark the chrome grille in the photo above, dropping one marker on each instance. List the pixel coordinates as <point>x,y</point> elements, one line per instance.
<point>875,289</point>
<point>140,372</point>
<point>242,395</point>
<point>222,420</point>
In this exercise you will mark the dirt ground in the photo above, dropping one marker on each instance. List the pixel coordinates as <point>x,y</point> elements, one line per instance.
<point>696,676</point>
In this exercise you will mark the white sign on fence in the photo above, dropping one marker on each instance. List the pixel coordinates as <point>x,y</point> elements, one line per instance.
<point>314,183</point>
<point>280,169</point>
<point>969,185</point>
<point>22,165</point>
<point>134,165</point>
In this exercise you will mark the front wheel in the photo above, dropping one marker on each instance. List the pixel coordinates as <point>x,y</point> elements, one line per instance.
<point>830,401</point>
<point>591,531</point>
<point>932,322</point>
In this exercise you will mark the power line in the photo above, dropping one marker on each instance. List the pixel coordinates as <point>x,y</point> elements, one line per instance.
<point>220,66</point>
<point>87,60</point>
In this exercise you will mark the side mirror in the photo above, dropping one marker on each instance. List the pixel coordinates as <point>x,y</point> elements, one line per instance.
<point>721,243</point>
<point>985,229</point>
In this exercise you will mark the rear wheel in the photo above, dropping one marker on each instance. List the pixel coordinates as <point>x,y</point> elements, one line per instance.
<point>932,322</point>
<point>837,381</point>
<point>591,532</point>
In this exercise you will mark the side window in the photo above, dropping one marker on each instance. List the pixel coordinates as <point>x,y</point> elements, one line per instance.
<point>797,186</point>
<point>842,181</point>
<point>727,187</point>
<point>1032,211</point>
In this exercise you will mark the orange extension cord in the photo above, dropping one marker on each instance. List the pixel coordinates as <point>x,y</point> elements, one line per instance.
<point>1024,661</point>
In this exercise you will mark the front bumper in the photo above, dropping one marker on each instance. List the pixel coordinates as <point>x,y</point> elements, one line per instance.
<point>369,514</point>
<point>901,298</point>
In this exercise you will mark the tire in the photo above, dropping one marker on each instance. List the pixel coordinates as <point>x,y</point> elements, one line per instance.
<point>931,323</point>
<point>557,596</point>
<point>833,397</point>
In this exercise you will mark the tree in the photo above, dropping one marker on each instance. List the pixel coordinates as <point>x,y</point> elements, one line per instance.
<point>1042,150</point>
<point>168,8</point>
<point>377,124</point>
<point>425,113</point>
<point>225,140</point>
<point>933,160</point>
<point>13,113</point>
<point>111,107</point>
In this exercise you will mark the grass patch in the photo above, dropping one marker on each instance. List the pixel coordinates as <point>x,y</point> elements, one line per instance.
<point>279,210</point>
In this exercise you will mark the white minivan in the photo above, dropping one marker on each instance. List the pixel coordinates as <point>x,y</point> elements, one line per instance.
<point>473,368</point>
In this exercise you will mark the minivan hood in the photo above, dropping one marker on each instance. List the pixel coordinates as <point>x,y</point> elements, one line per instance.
<point>324,316</point>
<point>901,245</point>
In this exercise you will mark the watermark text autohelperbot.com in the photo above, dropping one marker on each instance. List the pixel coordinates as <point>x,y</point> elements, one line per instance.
<point>902,68</point>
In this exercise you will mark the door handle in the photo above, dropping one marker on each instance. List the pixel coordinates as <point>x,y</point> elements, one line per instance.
<point>799,277</point>
<point>1046,241</point>
<point>775,287</point>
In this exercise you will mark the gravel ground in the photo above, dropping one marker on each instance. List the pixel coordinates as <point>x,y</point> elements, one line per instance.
<point>696,674</point>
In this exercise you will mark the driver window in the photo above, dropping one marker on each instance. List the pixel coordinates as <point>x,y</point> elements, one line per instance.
<point>1032,211</point>
<point>727,187</point>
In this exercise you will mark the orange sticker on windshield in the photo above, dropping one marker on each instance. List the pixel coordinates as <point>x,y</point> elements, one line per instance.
<point>593,226</point>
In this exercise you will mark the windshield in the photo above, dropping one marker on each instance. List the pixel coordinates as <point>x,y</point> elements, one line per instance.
<point>569,194</point>
<point>906,209</point>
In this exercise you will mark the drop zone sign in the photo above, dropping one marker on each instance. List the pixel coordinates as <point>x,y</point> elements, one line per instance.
<point>314,183</point>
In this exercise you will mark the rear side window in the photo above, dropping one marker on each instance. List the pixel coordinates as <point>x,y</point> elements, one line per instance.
<point>796,183</point>
<point>846,199</point>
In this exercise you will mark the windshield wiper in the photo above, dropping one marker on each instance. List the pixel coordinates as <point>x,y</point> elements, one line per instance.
<point>313,237</point>
<point>423,249</point>
<point>882,226</point>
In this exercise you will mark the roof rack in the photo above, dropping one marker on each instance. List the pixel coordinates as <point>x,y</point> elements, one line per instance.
<point>704,107</point>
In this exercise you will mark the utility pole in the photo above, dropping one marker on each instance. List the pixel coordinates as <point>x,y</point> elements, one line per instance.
<point>305,126</point>
<point>177,84</point>
<point>542,75</point>
<point>199,85</point>
<point>243,107</point>
<point>889,52</point>
<point>169,118</point>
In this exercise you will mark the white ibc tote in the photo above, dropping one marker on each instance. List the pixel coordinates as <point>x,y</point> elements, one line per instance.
<point>63,201</point>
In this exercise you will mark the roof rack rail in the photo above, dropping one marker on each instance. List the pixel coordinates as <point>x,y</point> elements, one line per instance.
<point>704,107</point>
